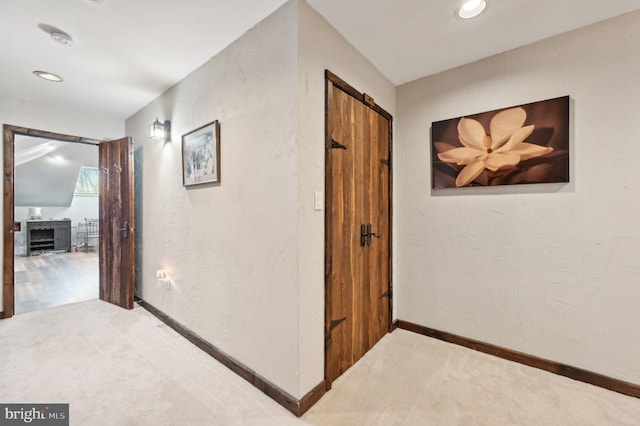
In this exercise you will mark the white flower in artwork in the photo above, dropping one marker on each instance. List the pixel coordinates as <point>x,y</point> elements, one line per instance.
<point>503,147</point>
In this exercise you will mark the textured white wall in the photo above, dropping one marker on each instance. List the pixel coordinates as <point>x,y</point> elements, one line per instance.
<point>321,47</point>
<point>247,257</point>
<point>550,270</point>
<point>232,248</point>
<point>77,122</point>
<point>70,121</point>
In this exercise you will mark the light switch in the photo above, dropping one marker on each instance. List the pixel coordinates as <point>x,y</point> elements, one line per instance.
<point>319,202</point>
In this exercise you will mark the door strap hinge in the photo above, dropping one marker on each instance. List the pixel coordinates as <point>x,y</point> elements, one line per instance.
<point>387,293</point>
<point>337,145</point>
<point>335,323</point>
<point>386,162</point>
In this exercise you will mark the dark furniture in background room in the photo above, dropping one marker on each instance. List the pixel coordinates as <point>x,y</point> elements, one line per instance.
<point>47,235</point>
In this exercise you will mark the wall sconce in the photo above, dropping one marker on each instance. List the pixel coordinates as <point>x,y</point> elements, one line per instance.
<point>160,130</point>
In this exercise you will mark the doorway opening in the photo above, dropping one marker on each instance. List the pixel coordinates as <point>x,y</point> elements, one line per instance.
<point>107,232</point>
<point>56,209</point>
<point>40,265</point>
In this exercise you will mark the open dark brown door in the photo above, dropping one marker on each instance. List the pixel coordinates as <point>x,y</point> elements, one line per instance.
<point>357,225</point>
<point>116,222</point>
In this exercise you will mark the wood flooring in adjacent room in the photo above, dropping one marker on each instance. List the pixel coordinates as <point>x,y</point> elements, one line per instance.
<point>53,279</point>
<point>119,367</point>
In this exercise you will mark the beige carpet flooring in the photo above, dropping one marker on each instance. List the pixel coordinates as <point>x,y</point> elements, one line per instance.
<point>118,367</point>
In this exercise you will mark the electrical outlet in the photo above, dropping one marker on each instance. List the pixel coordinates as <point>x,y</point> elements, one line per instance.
<point>161,274</point>
<point>167,285</point>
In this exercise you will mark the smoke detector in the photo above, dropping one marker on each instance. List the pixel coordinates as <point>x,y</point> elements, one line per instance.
<point>62,38</point>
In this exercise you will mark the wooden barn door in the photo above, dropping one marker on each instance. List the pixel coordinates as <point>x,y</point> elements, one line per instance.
<point>358,226</point>
<point>116,222</point>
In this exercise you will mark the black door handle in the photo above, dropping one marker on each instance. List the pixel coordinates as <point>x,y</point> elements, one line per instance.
<point>366,234</point>
<point>371,234</point>
<point>125,229</point>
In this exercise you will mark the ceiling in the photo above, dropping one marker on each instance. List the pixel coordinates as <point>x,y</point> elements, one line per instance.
<point>128,52</point>
<point>46,171</point>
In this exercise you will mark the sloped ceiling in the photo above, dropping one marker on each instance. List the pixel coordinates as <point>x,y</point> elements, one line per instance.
<point>46,171</point>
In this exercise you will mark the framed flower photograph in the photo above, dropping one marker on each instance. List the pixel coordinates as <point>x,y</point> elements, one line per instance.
<point>201,155</point>
<point>517,145</point>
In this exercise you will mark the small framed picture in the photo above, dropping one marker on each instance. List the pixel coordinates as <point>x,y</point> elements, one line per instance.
<point>201,155</point>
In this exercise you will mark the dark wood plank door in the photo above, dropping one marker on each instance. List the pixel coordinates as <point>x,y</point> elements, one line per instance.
<point>358,193</point>
<point>116,222</point>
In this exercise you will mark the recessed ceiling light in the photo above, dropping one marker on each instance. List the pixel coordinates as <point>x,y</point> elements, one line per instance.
<point>471,9</point>
<point>95,1</point>
<point>48,76</point>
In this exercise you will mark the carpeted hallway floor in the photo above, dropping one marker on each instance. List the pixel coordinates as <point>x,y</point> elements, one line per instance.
<point>118,367</point>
